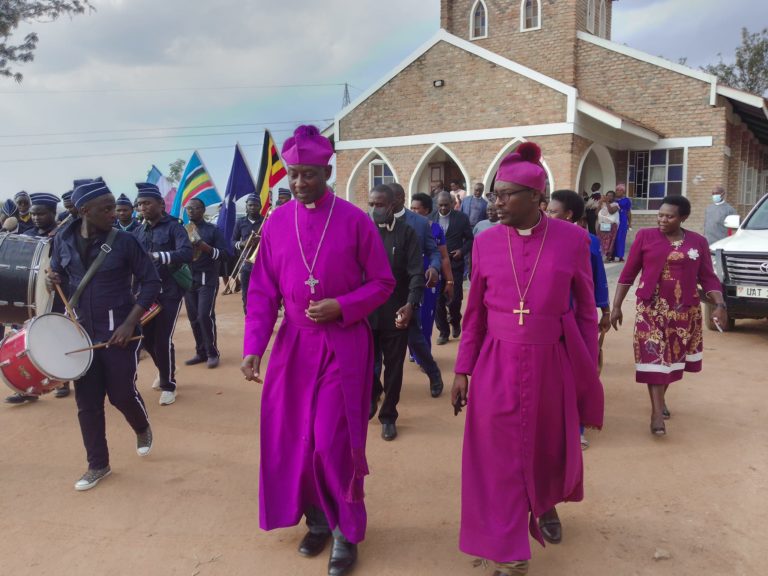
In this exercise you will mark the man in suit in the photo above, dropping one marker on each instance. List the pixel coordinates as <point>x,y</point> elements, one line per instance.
<point>418,344</point>
<point>458,237</point>
<point>475,207</point>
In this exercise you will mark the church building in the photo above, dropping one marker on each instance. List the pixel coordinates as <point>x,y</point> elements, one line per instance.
<point>500,72</point>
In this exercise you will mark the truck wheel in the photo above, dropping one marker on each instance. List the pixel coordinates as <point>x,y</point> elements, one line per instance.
<point>730,323</point>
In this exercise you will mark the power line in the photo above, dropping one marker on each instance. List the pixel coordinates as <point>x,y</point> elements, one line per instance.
<point>198,127</point>
<point>103,140</point>
<point>170,89</point>
<point>129,153</point>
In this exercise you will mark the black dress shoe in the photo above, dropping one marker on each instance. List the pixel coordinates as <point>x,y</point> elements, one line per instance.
<point>20,399</point>
<point>343,557</point>
<point>456,332</point>
<point>313,543</point>
<point>551,529</point>
<point>388,431</point>
<point>436,386</point>
<point>442,339</point>
<point>195,360</point>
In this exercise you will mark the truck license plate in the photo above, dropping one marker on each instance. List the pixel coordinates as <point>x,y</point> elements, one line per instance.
<point>752,292</point>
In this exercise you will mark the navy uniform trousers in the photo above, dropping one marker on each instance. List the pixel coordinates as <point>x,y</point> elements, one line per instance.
<point>158,340</point>
<point>201,310</point>
<point>112,374</point>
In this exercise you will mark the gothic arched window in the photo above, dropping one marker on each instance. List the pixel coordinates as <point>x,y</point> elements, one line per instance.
<point>530,15</point>
<point>478,21</point>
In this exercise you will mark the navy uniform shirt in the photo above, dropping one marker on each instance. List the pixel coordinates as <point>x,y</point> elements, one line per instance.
<point>169,240</point>
<point>205,267</point>
<point>37,233</point>
<point>107,299</point>
<point>24,226</point>
<point>243,229</point>
<point>130,228</point>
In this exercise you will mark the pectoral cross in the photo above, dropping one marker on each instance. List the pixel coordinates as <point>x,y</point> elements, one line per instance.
<point>520,312</point>
<point>312,282</point>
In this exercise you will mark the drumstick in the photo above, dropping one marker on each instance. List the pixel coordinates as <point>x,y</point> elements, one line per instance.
<point>99,346</point>
<point>70,312</point>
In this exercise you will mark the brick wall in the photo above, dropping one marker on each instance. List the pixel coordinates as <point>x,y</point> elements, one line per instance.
<point>672,104</point>
<point>549,50</point>
<point>471,99</point>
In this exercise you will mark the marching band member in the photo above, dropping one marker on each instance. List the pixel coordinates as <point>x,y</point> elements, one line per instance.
<point>108,312</point>
<point>210,250</point>
<point>43,218</point>
<point>166,241</point>
<point>283,196</point>
<point>70,211</point>
<point>124,210</point>
<point>23,204</point>
<point>245,227</point>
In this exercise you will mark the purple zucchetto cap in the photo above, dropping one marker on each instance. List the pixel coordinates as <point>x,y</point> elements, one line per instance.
<point>523,167</point>
<point>307,146</point>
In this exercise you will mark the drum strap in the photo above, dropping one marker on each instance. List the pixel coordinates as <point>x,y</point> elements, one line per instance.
<point>105,249</point>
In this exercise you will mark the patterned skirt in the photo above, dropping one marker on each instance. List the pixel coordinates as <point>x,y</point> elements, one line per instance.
<point>607,240</point>
<point>668,340</point>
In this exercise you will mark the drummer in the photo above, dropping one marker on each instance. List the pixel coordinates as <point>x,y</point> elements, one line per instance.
<point>125,220</point>
<point>108,312</point>
<point>43,216</point>
<point>167,242</point>
<point>23,204</point>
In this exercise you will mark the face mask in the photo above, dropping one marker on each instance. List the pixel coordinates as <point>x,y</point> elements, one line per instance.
<point>717,198</point>
<point>380,215</point>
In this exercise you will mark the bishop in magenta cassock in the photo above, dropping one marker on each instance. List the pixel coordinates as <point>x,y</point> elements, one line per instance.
<point>529,345</point>
<point>323,258</point>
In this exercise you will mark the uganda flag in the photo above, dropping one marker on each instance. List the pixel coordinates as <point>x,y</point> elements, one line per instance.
<point>195,183</point>
<point>271,172</point>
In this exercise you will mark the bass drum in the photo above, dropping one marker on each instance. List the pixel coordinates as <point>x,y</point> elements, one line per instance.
<point>23,261</point>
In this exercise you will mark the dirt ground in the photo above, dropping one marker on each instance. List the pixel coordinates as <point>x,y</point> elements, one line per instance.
<point>190,508</point>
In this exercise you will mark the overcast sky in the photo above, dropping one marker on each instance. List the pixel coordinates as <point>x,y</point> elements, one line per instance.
<point>125,78</point>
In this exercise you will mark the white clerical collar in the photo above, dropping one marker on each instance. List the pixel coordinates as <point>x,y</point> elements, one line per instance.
<point>529,231</point>
<point>310,206</point>
<point>400,214</point>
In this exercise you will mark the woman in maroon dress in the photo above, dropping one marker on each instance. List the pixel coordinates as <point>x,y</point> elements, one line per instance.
<point>672,262</point>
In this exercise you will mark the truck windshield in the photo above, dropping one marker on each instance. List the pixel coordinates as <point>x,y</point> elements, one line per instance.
<point>759,218</point>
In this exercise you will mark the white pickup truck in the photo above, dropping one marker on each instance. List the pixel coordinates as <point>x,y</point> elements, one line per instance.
<point>741,263</point>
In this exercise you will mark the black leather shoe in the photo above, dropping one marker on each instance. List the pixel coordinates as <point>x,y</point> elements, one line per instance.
<point>388,431</point>
<point>456,332</point>
<point>212,362</point>
<point>195,360</point>
<point>313,543</point>
<point>442,339</point>
<point>436,386</point>
<point>550,527</point>
<point>20,399</point>
<point>343,557</point>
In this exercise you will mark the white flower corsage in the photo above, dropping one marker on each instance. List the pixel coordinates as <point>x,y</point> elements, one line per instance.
<point>693,254</point>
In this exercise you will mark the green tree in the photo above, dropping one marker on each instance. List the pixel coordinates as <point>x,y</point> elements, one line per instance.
<point>176,170</point>
<point>14,12</point>
<point>749,71</point>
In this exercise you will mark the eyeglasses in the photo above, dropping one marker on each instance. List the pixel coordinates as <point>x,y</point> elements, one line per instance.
<point>504,196</point>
